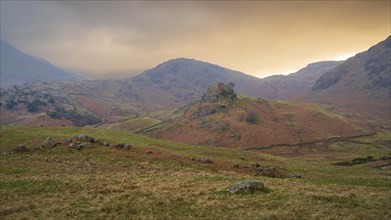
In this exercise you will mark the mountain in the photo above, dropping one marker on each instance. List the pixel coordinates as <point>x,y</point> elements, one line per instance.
<point>19,68</point>
<point>295,84</point>
<point>361,83</point>
<point>181,81</point>
<point>168,86</point>
<point>222,118</point>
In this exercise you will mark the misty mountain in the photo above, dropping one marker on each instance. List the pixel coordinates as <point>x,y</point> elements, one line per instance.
<point>361,83</point>
<point>19,68</point>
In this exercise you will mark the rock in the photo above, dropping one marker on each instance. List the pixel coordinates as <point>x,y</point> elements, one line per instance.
<point>296,175</point>
<point>206,160</point>
<point>269,172</point>
<point>21,149</point>
<point>148,152</point>
<point>127,147</point>
<point>75,145</point>
<point>242,158</point>
<point>119,145</point>
<point>84,138</point>
<point>67,140</point>
<point>86,144</point>
<point>246,186</point>
<point>49,143</point>
<point>7,153</point>
<point>218,92</point>
<point>105,144</point>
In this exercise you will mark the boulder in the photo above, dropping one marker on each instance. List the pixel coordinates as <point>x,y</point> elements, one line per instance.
<point>49,143</point>
<point>269,172</point>
<point>119,145</point>
<point>75,145</point>
<point>148,152</point>
<point>67,140</point>
<point>127,147</point>
<point>84,138</point>
<point>246,186</point>
<point>86,144</point>
<point>21,149</point>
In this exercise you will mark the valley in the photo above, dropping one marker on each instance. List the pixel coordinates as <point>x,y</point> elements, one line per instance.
<point>172,142</point>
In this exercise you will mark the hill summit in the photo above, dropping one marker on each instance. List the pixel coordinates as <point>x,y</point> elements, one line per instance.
<point>219,92</point>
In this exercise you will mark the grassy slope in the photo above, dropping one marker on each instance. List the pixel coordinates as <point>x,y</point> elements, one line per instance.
<point>133,125</point>
<point>103,182</point>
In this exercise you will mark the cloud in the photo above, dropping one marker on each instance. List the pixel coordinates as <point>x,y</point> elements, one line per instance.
<point>256,37</point>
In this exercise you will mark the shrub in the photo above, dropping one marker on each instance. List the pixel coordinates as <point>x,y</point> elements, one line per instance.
<point>252,117</point>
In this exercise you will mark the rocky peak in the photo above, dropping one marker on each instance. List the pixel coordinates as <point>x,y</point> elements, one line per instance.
<point>218,92</point>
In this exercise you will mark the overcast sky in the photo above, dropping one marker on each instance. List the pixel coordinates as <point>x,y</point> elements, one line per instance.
<point>260,38</point>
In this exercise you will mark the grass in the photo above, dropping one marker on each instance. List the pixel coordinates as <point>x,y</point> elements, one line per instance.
<point>134,125</point>
<point>108,183</point>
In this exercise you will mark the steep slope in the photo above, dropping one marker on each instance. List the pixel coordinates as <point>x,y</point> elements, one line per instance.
<point>362,83</point>
<point>18,68</point>
<point>295,84</point>
<point>222,119</point>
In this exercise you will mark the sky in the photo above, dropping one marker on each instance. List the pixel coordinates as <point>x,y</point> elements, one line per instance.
<point>114,39</point>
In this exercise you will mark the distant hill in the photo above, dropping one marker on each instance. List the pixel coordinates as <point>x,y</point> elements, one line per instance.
<point>361,83</point>
<point>358,84</point>
<point>181,81</point>
<point>18,68</point>
<point>222,118</point>
<point>295,84</point>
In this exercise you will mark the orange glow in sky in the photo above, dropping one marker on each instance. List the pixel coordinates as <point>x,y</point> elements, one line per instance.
<point>106,39</point>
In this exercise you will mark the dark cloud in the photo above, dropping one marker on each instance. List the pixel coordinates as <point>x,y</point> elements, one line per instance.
<point>257,37</point>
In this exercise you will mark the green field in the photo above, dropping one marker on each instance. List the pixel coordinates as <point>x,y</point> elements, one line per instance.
<point>169,182</point>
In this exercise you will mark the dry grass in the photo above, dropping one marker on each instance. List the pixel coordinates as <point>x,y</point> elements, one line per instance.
<point>107,183</point>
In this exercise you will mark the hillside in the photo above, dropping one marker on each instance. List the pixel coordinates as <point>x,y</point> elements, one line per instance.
<point>156,179</point>
<point>223,119</point>
<point>168,86</point>
<point>359,84</point>
<point>18,68</point>
<point>297,84</point>
<point>362,83</point>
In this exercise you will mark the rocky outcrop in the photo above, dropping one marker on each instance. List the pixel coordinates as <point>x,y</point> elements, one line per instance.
<point>219,92</point>
<point>49,143</point>
<point>84,138</point>
<point>247,186</point>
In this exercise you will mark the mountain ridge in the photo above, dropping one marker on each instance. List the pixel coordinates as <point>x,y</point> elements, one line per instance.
<point>18,68</point>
